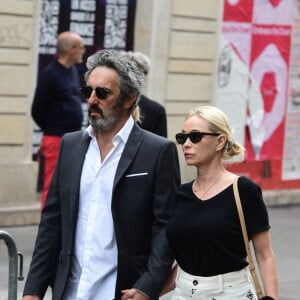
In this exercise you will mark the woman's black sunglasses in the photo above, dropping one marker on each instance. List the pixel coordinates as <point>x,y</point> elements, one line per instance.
<point>194,136</point>
<point>101,92</point>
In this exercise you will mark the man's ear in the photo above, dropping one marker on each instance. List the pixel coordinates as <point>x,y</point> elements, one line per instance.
<point>128,103</point>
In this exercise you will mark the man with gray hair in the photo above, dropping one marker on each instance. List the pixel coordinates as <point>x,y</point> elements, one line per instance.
<point>102,230</point>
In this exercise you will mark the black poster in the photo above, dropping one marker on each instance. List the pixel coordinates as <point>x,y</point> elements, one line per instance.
<point>102,24</point>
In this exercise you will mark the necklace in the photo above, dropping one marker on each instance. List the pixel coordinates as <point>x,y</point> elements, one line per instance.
<point>207,189</point>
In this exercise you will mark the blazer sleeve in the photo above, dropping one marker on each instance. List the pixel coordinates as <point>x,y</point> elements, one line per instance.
<point>160,259</point>
<point>47,246</point>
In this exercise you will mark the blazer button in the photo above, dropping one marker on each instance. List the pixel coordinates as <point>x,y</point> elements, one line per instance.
<point>195,282</point>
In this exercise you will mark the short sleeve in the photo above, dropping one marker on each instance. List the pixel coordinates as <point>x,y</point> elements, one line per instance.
<point>255,210</point>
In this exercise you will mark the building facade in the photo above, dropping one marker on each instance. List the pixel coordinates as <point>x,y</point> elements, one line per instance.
<point>181,41</point>
<point>18,61</point>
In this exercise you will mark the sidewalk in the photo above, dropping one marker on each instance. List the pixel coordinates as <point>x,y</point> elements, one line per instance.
<point>285,222</point>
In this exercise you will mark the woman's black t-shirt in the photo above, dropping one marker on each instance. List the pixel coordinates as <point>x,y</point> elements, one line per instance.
<point>206,236</point>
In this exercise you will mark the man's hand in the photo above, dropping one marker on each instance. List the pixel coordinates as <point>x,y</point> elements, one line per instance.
<point>132,294</point>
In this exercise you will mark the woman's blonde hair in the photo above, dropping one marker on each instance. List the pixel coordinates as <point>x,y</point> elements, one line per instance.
<point>218,123</point>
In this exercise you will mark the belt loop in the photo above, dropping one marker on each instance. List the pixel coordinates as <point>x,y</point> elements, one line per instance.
<point>220,282</point>
<point>248,274</point>
<point>177,275</point>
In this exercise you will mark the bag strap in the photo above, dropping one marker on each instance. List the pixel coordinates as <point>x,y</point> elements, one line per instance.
<point>245,236</point>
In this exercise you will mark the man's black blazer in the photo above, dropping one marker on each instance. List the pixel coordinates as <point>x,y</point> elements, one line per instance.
<point>141,207</point>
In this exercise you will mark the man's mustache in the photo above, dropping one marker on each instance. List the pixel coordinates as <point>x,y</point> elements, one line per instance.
<point>96,109</point>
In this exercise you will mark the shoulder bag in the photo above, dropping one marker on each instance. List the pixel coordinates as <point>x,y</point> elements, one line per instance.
<point>246,240</point>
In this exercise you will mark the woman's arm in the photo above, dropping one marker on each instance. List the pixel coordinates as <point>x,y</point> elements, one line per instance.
<point>266,263</point>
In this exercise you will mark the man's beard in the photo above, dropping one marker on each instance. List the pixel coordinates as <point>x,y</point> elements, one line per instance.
<point>106,122</point>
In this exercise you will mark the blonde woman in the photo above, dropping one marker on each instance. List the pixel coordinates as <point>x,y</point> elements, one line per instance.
<point>205,233</point>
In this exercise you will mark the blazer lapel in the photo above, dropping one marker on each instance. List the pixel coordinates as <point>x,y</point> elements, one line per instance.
<point>134,141</point>
<point>78,154</point>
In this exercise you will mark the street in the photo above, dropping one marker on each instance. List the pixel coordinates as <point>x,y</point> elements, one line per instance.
<point>285,222</point>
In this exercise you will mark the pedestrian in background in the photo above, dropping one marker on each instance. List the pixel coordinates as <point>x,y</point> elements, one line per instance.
<point>57,104</point>
<point>153,115</point>
<point>205,232</point>
<point>102,230</point>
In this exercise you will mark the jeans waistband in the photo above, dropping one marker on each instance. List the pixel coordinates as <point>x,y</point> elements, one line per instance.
<point>219,281</point>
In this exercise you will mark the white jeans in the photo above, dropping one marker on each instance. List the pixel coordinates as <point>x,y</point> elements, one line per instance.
<point>229,286</point>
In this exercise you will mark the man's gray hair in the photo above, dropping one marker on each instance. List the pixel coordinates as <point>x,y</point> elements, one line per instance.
<point>141,59</point>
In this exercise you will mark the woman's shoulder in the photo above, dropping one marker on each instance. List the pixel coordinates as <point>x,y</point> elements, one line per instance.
<point>185,186</point>
<point>249,187</point>
<point>247,182</point>
<point>185,189</point>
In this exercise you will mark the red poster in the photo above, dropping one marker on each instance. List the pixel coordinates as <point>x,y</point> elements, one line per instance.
<point>269,61</point>
<point>259,33</point>
<point>257,84</point>
<point>238,11</point>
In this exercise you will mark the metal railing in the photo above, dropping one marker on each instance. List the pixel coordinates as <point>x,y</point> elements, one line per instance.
<point>13,276</point>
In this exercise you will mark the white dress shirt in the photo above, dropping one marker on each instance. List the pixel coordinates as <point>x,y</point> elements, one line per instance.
<point>94,269</point>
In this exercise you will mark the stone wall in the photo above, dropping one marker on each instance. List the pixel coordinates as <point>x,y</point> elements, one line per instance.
<point>18,61</point>
<point>181,39</point>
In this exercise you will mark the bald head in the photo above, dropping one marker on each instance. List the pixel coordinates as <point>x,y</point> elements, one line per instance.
<point>70,48</point>
<point>65,40</point>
